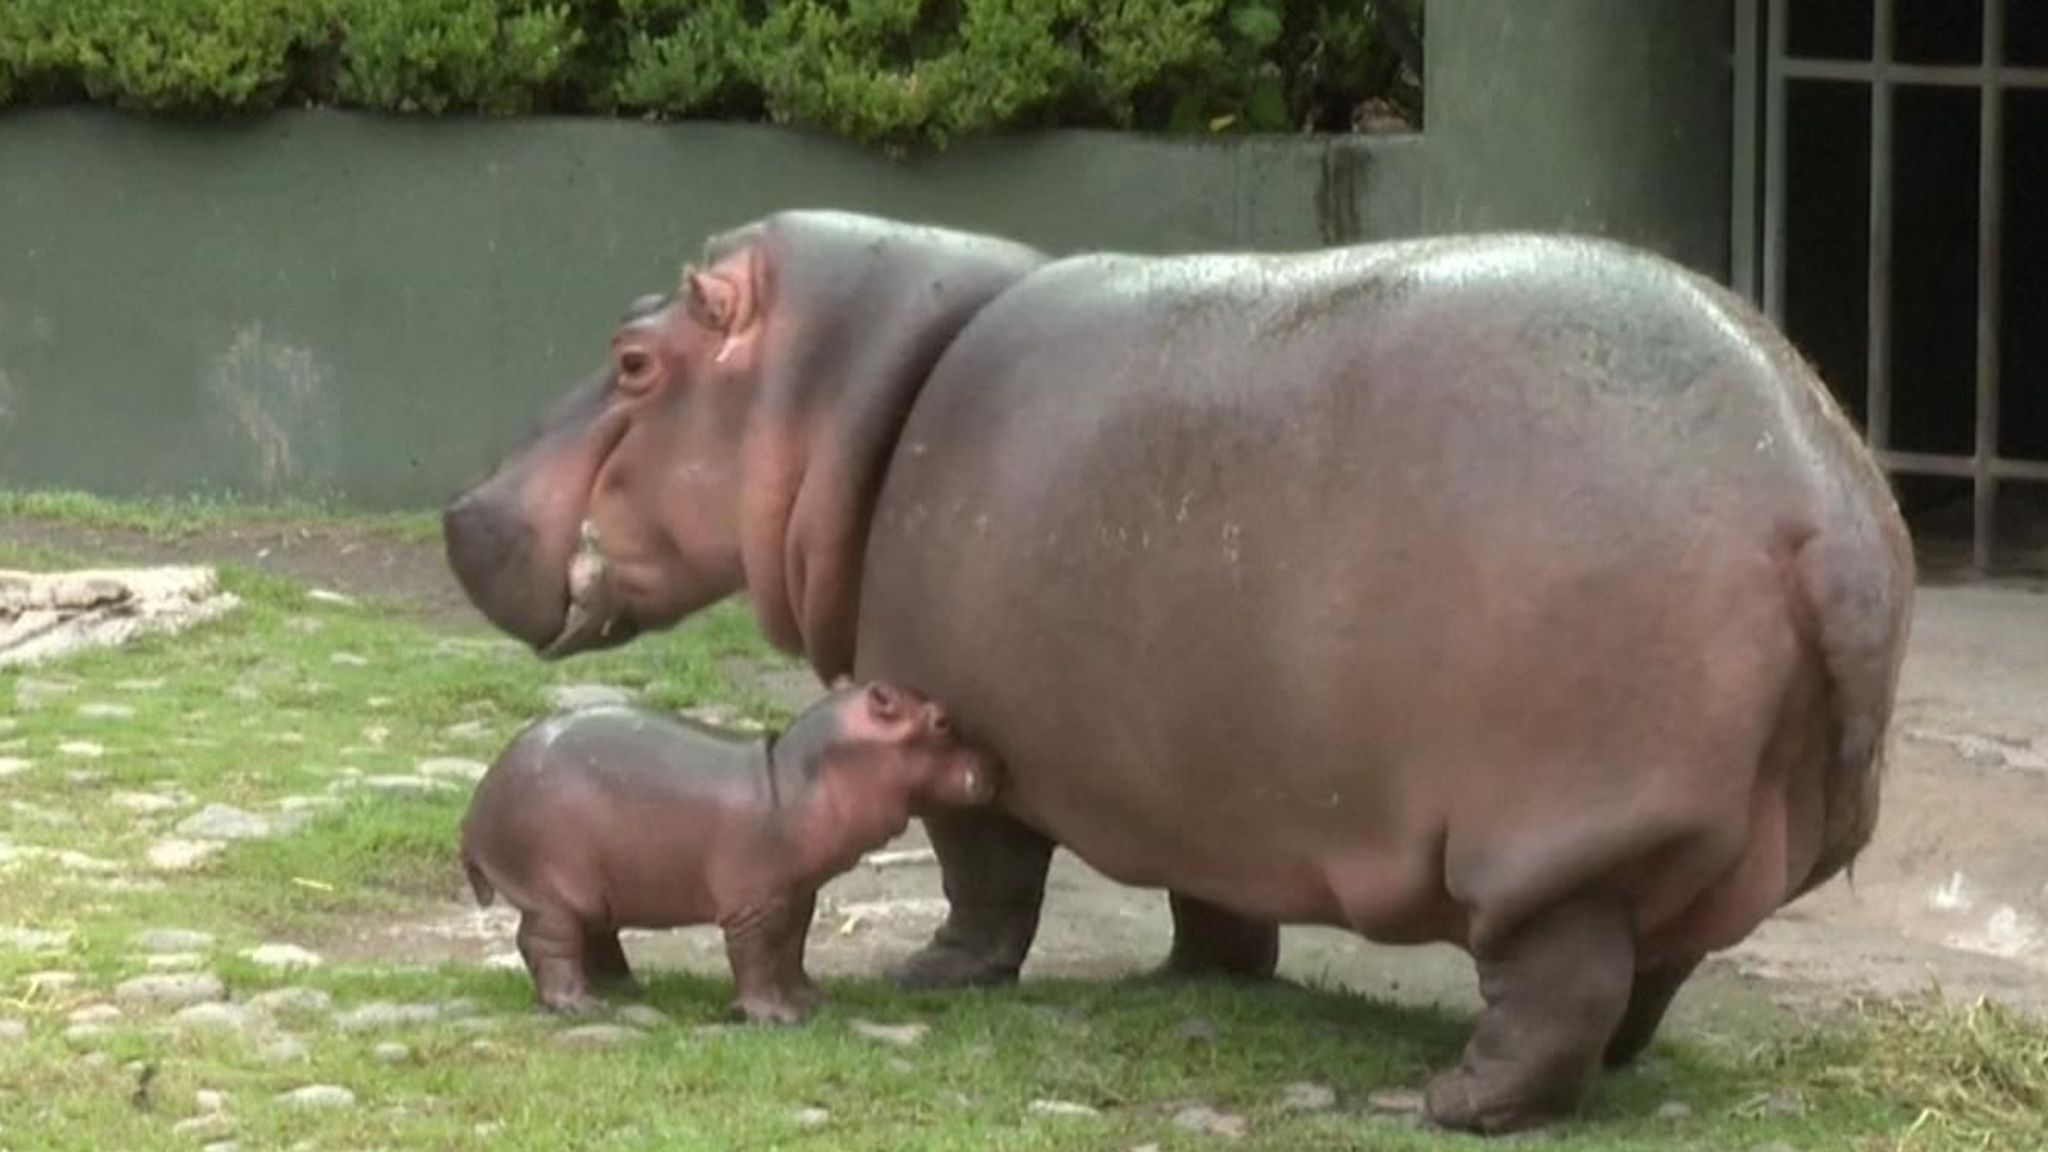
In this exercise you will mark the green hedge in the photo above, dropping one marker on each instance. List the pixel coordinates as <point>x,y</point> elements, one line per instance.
<point>889,72</point>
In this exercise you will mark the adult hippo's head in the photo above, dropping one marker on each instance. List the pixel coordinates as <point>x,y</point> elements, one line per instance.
<point>733,440</point>
<point>620,512</point>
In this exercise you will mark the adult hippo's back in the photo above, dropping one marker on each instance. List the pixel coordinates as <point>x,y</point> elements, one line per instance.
<point>1524,593</point>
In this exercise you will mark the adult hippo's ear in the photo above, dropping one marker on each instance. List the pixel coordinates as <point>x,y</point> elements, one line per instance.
<point>721,299</point>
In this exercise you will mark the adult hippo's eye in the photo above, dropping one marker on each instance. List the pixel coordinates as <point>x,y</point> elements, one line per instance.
<point>635,370</point>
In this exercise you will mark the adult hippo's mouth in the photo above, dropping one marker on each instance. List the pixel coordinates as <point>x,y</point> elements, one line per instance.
<point>591,618</point>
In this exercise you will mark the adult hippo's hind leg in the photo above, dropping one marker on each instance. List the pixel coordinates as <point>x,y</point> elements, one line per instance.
<point>1212,941</point>
<point>1647,1003</point>
<point>1554,994</point>
<point>993,869</point>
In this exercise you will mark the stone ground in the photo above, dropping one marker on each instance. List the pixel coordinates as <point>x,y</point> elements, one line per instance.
<point>1954,892</point>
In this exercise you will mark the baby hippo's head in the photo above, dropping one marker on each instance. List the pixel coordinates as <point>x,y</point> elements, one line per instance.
<point>900,738</point>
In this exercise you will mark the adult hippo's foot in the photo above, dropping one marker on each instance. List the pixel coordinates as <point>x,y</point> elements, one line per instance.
<point>1555,994</point>
<point>993,870</point>
<point>1209,941</point>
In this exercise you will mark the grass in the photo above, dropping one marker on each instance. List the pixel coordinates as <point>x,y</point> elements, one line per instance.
<point>170,517</point>
<point>293,696</point>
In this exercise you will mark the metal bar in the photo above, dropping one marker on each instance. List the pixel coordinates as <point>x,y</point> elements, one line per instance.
<point>1877,395</point>
<point>1962,467</point>
<point>1774,160</point>
<point>1742,270</point>
<point>1990,234</point>
<point>1927,75</point>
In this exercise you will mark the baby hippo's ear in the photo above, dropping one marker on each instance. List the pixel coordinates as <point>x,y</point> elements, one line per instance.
<point>883,705</point>
<point>842,680</point>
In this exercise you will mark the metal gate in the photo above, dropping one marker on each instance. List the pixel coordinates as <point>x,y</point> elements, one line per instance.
<point>1907,68</point>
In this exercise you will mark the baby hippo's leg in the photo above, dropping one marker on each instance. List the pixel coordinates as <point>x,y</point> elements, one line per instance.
<point>757,947</point>
<point>607,960</point>
<point>551,941</point>
<point>802,988</point>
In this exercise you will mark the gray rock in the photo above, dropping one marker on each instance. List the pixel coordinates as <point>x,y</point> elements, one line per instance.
<point>383,1014</point>
<point>34,940</point>
<point>285,1001</point>
<point>391,1053</point>
<point>145,803</point>
<point>1061,1108</point>
<point>318,1096</point>
<point>350,660</point>
<point>176,855</point>
<point>218,1014</point>
<point>1207,1121</point>
<point>94,1014</point>
<point>14,766</point>
<point>900,1035</point>
<point>643,1015</point>
<point>1674,1110</point>
<point>403,784</point>
<point>87,1033</point>
<point>161,940</point>
<point>1306,1096</point>
<point>224,822</point>
<point>277,956</point>
<point>583,695</point>
<point>12,1031</point>
<point>467,730</point>
<point>1395,1101</point>
<point>50,981</point>
<point>460,1008</point>
<point>209,1100</point>
<point>1198,1029</point>
<point>171,991</point>
<point>811,1118</point>
<point>85,749</point>
<point>101,710</point>
<point>282,1050</point>
<point>210,1125</point>
<point>599,1036</point>
<point>85,777</point>
<point>452,768</point>
<point>74,861</point>
<point>221,1146</point>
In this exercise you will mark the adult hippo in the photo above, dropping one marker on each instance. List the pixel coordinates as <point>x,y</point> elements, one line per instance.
<point>1525,593</point>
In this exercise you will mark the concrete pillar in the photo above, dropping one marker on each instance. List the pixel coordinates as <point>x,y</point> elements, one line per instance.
<point>1604,116</point>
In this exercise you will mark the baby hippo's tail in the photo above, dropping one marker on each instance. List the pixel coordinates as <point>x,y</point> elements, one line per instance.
<point>478,882</point>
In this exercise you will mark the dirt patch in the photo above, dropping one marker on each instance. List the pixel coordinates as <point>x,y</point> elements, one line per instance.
<point>409,575</point>
<point>1955,890</point>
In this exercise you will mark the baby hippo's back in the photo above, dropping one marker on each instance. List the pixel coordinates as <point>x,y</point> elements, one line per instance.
<point>608,813</point>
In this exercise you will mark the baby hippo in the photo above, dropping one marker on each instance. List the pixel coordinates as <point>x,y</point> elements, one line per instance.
<point>610,816</point>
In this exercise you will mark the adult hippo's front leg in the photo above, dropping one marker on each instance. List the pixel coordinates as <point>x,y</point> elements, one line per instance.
<point>993,870</point>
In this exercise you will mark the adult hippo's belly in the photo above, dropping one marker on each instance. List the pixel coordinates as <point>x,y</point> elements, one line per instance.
<point>1430,590</point>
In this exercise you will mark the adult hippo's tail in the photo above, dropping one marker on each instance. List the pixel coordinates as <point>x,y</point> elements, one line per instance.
<point>1858,578</point>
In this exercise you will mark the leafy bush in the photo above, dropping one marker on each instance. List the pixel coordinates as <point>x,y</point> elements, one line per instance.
<point>891,72</point>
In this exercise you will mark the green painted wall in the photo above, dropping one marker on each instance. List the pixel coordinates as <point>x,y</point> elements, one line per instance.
<point>326,304</point>
<point>1604,116</point>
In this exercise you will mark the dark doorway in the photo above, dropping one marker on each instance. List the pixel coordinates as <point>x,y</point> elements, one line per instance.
<point>1892,213</point>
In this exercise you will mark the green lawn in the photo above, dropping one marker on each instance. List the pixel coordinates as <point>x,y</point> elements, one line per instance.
<point>293,697</point>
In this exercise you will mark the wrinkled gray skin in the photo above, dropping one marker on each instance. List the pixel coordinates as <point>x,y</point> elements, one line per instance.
<point>1524,593</point>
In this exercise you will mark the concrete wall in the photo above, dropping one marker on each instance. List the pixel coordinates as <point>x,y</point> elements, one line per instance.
<point>326,304</point>
<point>1604,116</point>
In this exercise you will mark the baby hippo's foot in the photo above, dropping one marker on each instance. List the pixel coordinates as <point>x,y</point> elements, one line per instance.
<point>771,1008</point>
<point>576,1003</point>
